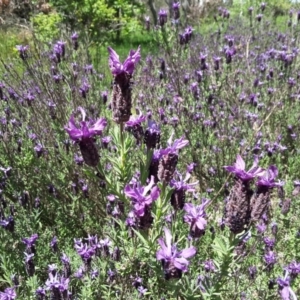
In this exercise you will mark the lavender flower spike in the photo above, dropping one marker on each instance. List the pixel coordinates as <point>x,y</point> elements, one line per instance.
<point>84,136</point>
<point>117,67</point>
<point>140,197</point>
<point>169,159</point>
<point>8,294</point>
<point>174,262</point>
<point>195,217</point>
<point>86,129</point>
<point>238,169</point>
<point>268,177</point>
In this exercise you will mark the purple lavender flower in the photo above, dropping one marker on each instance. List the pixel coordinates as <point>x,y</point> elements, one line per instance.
<point>176,10</point>
<point>174,261</point>
<point>252,272</point>
<point>152,134</point>
<point>22,51</point>
<point>80,272</point>
<point>85,251</point>
<point>162,17</point>
<point>53,244</point>
<point>142,201</point>
<point>86,130</point>
<point>260,200</point>
<point>147,23</point>
<point>57,285</point>
<point>29,264</point>
<point>8,294</point>
<point>270,259</point>
<point>84,136</point>
<point>267,178</point>
<point>134,126</point>
<point>294,269</point>
<point>269,243</point>
<point>142,291</point>
<point>209,266</point>
<point>30,243</point>
<point>195,217</point>
<point>128,65</point>
<point>74,38</point>
<point>40,293</point>
<point>238,169</point>
<point>284,288</point>
<point>180,187</point>
<point>169,158</point>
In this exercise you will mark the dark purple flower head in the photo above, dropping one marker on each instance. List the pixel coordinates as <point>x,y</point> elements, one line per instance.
<point>238,169</point>
<point>86,130</point>
<point>269,243</point>
<point>152,134</point>
<point>8,294</point>
<point>284,288</point>
<point>162,17</point>
<point>141,197</point>
<point>74,36</point>
<point>128,66</point>
<point>169,254</point>
<point>85,251</point>
<point>209,266</point>
<point>22,51</point>
<point>40,292</point>
<point>57,282</point>
<point>270,259</point>
<point>267,179</point>
<point>294,269</point>
<point>65,259</point>
<point>30,242</point>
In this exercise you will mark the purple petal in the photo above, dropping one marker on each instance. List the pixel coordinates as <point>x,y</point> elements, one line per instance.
<point>99,126</point>
<point>188,252</point>
<point>240,163</point>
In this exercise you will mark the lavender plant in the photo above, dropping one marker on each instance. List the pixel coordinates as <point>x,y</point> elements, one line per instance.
<point>93,203</point>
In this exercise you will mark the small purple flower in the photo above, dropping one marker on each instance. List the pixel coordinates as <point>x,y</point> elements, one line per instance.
<point>30,242</point>
<point>79,273</point>
<point>238,169</point>
<point>195,217</point>
<point>128,65</point>
<point>175,146</point>
<point>174,261</point>
<point>176,10</point>
<point>209,266</point>
<point>162,17</point>
<point>8,294</point>
<point>53,244</point>
<point>269,243</point>
<point>267,178</point>
<point>22,51</point>
<point>252,272</point>
<point>87,130</point>
<point>294,269</point>
<point>142,290</point>
<point>284,288</point>
<point>152,134</point>
<point>270,259</point>
<point>141,197</point>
